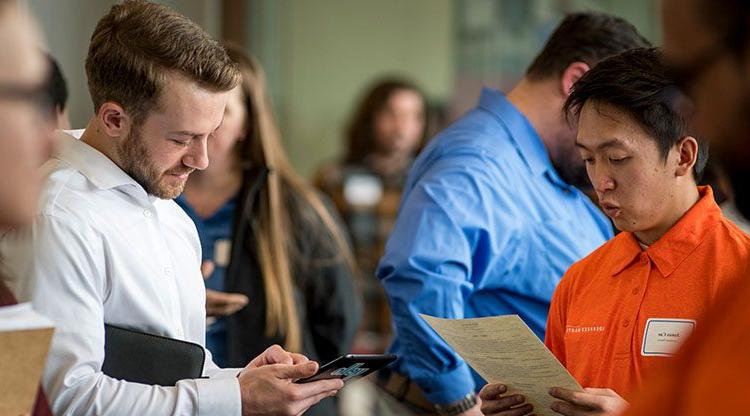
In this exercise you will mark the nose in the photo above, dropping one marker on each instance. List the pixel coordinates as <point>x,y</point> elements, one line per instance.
<point>197,156</point>
<point>601,179</point>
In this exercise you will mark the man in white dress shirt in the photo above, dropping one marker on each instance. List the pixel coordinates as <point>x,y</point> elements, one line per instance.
<point>108,244</point>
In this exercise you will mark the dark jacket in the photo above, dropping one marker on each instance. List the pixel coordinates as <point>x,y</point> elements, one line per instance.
<point>328,305</point>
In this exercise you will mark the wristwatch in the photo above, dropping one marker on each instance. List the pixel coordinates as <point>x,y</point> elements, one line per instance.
<point>456,408</point>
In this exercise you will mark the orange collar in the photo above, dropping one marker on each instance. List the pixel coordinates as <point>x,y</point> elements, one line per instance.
<point>668,252</point>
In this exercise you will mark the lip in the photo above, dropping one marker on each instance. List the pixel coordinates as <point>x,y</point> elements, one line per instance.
<point>181,175</point>
<point>610,209</point>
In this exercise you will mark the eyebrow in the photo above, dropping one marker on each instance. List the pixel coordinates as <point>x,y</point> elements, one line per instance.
<point>608,144</point>
<point>194,134</point>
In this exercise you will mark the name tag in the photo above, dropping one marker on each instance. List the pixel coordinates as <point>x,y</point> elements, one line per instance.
<point>663,336</point>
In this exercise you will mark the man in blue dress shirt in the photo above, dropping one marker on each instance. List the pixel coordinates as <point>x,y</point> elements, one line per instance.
<point>491,216</point>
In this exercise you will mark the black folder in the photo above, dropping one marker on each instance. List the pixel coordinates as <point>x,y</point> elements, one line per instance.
<point>141,357</point>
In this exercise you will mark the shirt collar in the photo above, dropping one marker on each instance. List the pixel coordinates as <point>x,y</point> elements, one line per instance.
<point>668,252</point>
<point>521,133</point>
<point>94,165</point>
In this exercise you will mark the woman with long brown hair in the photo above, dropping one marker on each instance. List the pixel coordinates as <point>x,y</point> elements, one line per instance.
<point>278,267</point>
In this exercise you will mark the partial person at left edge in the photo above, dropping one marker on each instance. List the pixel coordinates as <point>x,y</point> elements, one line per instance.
<point>25,138</point>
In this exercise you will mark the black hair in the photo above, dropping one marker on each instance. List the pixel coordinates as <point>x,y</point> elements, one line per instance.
<point>588,37</point>
<point>638,83</point>
<point>57,89</point>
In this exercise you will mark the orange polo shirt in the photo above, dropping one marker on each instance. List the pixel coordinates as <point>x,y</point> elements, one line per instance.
<point>620,311</point>
<point>709,375</point>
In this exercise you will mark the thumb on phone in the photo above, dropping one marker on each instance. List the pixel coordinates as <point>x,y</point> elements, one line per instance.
<point>297,371</point>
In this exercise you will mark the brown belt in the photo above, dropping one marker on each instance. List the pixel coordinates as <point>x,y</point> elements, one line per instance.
<point>406,391</point>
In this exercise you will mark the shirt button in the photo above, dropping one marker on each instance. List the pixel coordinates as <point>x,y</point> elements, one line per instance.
<point>167,270</point>
<point>147,213</point>
<point>635,291</point>
<point>644,258</point>
<point>626,323</point>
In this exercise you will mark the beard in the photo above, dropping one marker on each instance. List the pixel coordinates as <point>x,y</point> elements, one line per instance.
<point>136,162</point>
<point>574,173</point>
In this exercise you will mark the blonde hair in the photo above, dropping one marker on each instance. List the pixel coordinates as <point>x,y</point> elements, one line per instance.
<point>138,43</point>
<point>275,248</point>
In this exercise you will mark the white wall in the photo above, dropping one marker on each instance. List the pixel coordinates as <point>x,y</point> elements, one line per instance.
<point>330,50</point>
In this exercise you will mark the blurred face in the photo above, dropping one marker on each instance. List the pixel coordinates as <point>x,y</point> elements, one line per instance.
<point>400,124</point>
<point>716,80</point>
<point>567,161</point>
<point>633,182</point>
<point>25,136</point>
<point>222,145</point>
<point>172,141</point>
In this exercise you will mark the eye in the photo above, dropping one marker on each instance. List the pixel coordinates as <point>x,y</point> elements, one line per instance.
<point>180,142</point>
<point>588,160</point>
<point>618,160</point>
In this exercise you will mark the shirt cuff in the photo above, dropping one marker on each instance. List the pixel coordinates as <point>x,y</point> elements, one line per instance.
<point>447,387</point>
<point>224,373</point>
<point>219,396</point>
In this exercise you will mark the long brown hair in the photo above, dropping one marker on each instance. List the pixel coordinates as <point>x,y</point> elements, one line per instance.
<point>263,147</point>
<point>360,134</point>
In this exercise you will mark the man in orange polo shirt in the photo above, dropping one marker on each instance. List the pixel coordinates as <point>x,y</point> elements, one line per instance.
<point>619,312</point>
<point>709,375</point>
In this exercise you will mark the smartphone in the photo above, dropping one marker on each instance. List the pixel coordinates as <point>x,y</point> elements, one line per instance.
<point>351,366</point>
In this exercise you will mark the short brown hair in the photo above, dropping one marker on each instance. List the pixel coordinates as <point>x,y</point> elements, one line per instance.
<point>588,37</point>
<point>137,43</point>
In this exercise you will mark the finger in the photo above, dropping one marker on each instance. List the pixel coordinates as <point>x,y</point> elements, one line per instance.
<point>298,358</point>
<point>207,268</point>
<point>501,404</point>
<point>519,411</point>
<point>220,303</point>
<point>490,391</point>
<point>580,399</point>
<point>223,298</point>
<point>600,392</point>
<point>295,372</point>
<point>277,355</point>
<point>229,309</point>
<point>568,409</point>
<point>317,387</point>
<point>309,402</point>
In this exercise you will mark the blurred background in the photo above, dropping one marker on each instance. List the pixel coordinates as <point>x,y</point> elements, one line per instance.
<point>320,55</point>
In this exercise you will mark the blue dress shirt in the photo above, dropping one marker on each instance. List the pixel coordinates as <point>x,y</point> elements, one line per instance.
<point>486,227</point>
<point>216,228</point>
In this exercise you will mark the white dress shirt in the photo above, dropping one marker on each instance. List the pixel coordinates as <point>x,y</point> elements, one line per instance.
<point>101,250</point>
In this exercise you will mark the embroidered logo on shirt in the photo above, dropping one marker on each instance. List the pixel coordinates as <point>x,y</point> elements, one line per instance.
<point>581,329</point>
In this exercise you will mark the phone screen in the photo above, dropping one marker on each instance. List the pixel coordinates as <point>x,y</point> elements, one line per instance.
<point>351,366</point>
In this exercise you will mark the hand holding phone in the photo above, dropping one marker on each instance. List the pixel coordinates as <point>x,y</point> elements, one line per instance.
<point>351,366</point>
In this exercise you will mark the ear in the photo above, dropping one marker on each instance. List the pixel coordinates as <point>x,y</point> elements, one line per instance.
<point>687,149</point>
<point>572,73</point>
<point>115,122</point>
